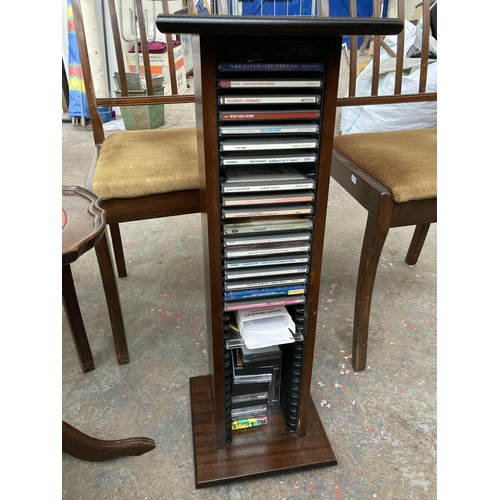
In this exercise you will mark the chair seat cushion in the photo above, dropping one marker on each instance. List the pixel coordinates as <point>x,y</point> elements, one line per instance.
<point>136,163</point>
<point>404,161</point>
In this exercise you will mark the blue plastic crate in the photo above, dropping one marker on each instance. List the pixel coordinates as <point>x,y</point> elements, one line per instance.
<point>338,8</point>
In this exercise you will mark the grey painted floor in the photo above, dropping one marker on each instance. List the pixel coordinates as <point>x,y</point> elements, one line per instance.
<point>381,423</point>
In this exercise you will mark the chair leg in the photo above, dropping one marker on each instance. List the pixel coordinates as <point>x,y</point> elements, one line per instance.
<point>75,320</point>
<point>112,299</point>
<point>118,250</point>
<point>376,231</point>
<point>81,446</point>
<point>417,242</point>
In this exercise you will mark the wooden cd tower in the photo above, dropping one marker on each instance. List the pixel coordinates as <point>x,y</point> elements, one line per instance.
<point>265,93</point>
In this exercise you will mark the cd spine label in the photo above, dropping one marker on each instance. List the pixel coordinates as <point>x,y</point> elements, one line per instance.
<point>270,115</point>
<point>275,99</point>
<point>230,66</point>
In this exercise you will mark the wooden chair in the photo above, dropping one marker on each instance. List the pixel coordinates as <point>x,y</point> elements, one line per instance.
<point>138,174</point>
<point>392,174</point>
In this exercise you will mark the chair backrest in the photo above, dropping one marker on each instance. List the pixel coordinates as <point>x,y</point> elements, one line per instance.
<point>398,91</point>
<point>394,87</point>
<point>398,56</point>
<point>102,55</point>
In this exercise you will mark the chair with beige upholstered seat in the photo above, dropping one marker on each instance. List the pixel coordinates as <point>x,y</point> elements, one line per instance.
<point>391,173</point>
<point>398,187</point>
<point>138,174</point>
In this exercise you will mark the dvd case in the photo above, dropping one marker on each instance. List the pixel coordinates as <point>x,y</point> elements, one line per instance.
<point>235,240</point>
<point>267,225</point>
<point>240,179</point>
<point>269,115</point>
<point>281,128</point>
<point>306,157</point>
<point>269,144</point>
<point>235,274</point>
<point>261,66</point>
<point>241,264</point>
<point>277,83</point>
<point>266,249</point>
<point>275,210</point>
<point>249,284</point>
<point>266,292</point>
<point>270,99</point>
<point>269,302</point>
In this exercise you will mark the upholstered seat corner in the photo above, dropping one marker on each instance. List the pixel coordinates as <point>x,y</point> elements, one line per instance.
<point>404,161</point>
<point>139,163</point>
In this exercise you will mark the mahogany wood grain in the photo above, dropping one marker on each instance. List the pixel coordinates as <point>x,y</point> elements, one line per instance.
<point>84,447</point>
<point>398,81</point>
<point>75,320</point>
<point>277,25</point>
<point>152,207</point>
<point>116,242</point>
<point>144,47</point>
<point>256,451</point>
<point>376,51</point>
<point>320,211</point>
<point>417,243</point>
<point>386,99</point>
<point>353,54</point>
<point>83,228</point>
<point>83,222</point>
<point>207,129</point>
<point>424,58</point>
<point>112,300</point>
<point>378,43</point>
<point>383,214</point>
<point>271,447</point>
<point>146,207</point>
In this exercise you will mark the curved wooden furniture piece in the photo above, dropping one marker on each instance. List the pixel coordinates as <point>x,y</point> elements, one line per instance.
<point>81,446</point>
<point>83,228</point>
<point>392,174</point>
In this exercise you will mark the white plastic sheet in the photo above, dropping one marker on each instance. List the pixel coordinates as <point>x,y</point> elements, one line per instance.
<point>385,117</point>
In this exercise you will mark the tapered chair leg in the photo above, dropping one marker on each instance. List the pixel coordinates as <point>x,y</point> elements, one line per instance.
<point>84,447</point>
<point>75,320</point>
<point>116,239</point>
<point>417,242</point>
<point>377,227</point>
<point>112,299</point>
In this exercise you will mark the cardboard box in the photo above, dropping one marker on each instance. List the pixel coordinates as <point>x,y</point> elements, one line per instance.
<point>159,66</point>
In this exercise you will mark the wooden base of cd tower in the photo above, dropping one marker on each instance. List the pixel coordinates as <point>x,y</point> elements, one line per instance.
<point>256,451</point>
<point>294,436</point>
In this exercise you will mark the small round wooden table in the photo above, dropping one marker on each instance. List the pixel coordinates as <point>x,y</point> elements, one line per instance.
<point>83,228</point>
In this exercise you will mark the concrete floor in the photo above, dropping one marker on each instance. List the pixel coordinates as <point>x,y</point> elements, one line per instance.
<point>381,423</point>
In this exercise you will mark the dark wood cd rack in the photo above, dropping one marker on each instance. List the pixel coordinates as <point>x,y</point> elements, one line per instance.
<point>269,115</point>
<point>265,93</point>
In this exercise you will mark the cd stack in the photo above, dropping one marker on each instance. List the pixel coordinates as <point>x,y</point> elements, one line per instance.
<point>256,385</point>
<point>269,122</point>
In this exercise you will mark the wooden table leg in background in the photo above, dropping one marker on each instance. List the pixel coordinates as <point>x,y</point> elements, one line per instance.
<point>75,320</point>
<point>112,299</point>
